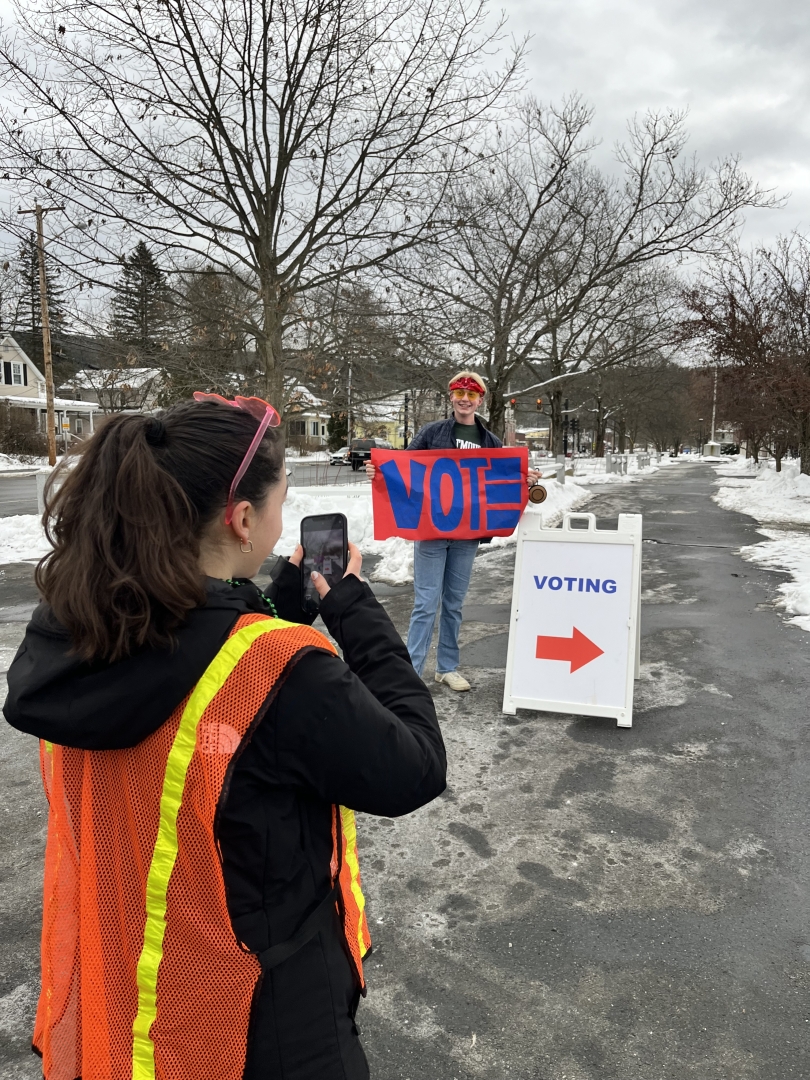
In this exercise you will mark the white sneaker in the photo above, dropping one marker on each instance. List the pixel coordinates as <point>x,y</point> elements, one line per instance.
<point>453,680</point>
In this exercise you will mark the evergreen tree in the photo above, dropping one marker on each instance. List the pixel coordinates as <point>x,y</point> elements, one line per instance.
<point>140,307</point>
<point>25,307</point>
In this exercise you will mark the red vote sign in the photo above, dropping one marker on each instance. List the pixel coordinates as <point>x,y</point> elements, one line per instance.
<point>448,494</point>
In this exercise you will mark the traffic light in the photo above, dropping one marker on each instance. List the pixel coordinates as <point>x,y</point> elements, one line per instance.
<point>539,404</point>
<point>513,402</point>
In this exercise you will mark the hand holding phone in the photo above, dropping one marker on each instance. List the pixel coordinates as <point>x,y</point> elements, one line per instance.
<point>355,567</point>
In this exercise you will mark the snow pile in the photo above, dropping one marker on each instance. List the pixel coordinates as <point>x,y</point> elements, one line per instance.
<point>787,550</point>
<point>22,539</point>
<point>10,462</point>
<point>560,498</point>
<point>354,502</point>
<point>396,565</point>
<point>774,499</point>
<point>765,494</point>
<point>591,471</point>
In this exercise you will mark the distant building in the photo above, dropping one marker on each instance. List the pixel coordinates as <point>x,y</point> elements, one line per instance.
<point>306,419</point>
<point>117,389</point>
<point>23,387</point>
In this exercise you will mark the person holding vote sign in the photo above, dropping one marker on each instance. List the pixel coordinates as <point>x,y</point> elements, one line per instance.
<point>442,565</point>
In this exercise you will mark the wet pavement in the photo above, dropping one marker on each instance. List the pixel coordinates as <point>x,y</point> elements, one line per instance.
<point>584,902</point>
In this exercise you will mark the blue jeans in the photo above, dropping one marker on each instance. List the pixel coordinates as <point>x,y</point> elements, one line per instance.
<point>441,574</point>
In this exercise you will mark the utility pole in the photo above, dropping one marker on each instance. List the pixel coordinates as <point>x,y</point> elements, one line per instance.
<point>714,403</point>
<point>349,417</point>
<point>40,212</point>
<point>405,424</point>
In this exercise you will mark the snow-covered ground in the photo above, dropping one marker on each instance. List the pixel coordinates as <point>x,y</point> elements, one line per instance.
<point>589,471</point>
<point>22,538</point>
<point>781,502</point>
<point>396,565</point>
<point>12,463</point>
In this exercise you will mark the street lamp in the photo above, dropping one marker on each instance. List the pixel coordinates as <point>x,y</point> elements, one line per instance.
<point>700,436</point>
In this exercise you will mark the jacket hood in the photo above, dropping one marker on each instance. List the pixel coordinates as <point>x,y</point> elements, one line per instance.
<point>56,696</point>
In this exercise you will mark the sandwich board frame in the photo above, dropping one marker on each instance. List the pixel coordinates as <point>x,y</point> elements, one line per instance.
<point>628,534</point>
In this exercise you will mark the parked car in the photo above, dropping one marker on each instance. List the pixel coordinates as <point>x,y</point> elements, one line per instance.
<point>340,457</point>
<point>361,450</point>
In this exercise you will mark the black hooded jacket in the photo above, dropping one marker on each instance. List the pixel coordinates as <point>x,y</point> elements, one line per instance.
<point>361,732</point>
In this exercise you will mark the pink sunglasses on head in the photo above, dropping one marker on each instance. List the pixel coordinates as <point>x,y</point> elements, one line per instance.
<point>262,411</point>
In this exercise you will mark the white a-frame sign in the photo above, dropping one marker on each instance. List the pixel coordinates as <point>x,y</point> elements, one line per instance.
<point>574,631</point>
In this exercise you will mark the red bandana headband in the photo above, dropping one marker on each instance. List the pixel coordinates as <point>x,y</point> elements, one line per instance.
<point>467,383</point>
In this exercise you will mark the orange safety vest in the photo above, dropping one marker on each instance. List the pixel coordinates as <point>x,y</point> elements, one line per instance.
<point>143,977</point>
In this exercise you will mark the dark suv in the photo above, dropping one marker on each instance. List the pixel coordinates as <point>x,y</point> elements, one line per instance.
<point>361,450</point>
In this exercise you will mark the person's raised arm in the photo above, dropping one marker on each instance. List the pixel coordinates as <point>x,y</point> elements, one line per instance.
<point>361,732</point>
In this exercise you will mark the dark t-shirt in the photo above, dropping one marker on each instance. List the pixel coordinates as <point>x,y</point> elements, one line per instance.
<point>467,436</point>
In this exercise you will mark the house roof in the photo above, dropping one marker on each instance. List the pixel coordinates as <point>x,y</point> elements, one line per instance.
<point>58,403</point>
<point>9,345</point>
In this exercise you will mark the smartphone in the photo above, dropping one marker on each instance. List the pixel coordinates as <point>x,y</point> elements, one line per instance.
<point>325,540</point>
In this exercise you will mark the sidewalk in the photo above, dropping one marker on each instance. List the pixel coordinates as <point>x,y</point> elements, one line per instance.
<point>584,902</point>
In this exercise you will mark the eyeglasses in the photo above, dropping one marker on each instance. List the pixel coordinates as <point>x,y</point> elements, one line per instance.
<point>260,410</point>
<point>459,395</point>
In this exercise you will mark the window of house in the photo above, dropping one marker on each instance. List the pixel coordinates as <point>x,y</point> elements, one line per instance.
<point>314,427</point>
<point>79,426</point>
<point>323,429</point>
<point>297,427</point>
<point>17,374</point>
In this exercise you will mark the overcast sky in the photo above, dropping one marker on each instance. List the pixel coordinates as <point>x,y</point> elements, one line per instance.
<point>741,67</point>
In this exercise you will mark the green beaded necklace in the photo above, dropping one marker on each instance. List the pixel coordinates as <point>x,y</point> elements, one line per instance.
<point>267,600</point>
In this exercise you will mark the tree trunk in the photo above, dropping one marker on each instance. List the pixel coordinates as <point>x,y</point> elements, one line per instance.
<point>804,443</point>
<point>621,430</point>
<point>556,402</point>
<point>497,410</point>
<point>495,399</point>
<point>600,427</point>
<point>270,348</point>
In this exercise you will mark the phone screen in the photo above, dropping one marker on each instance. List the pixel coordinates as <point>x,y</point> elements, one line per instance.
<point>325,542</point>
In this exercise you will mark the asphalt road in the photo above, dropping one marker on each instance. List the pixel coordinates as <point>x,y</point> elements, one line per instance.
<point>305,474</point>
<point>18,495</point>
<point>584,902</point>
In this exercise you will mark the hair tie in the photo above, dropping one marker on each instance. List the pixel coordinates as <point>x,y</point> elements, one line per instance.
<point>155,432</point>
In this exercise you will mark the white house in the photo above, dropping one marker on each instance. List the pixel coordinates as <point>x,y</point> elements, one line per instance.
<point>307,417</point>
<point>23,387</point>
<point>118,389</point>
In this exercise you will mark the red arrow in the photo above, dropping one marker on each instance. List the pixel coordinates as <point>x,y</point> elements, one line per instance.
<point>577,649</point>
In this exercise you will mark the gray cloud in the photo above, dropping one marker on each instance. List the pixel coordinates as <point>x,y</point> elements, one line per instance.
<point>739,66</point>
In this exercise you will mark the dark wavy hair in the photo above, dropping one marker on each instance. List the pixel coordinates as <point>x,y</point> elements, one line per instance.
<point>126,521</point>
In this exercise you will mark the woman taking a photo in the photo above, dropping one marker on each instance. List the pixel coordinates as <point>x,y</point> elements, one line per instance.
<point>203,915</point>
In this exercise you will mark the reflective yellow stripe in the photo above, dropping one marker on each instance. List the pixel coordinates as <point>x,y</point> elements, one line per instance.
<point>350,832</point>
<point>165,853</point>
<point>48,746</point>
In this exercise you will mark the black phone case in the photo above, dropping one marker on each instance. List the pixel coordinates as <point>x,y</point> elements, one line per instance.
<point>309,602</point>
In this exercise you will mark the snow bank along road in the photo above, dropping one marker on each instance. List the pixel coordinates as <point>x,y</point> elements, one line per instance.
<point>583,903</point>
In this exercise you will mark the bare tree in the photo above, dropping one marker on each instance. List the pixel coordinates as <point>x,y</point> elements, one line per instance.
<point>289,142</point>
<point>751,312</point>
<point>548,252</point>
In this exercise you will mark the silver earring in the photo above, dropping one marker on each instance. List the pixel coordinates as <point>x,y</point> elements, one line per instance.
<point>246,550</point>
